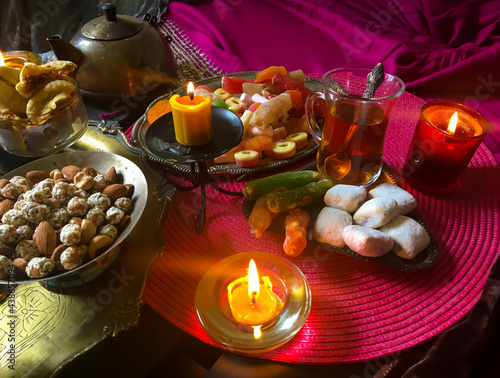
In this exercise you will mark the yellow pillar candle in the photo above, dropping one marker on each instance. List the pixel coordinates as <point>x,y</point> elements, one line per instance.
<point>192,119</point>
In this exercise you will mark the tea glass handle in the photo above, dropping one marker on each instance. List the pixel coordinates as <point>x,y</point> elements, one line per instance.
<point>310,117</point>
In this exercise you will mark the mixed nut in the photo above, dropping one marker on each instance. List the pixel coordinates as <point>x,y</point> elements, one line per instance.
<point>54,222</point>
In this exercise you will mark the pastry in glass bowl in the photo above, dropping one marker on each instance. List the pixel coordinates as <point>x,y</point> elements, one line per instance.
<point>41,109</point>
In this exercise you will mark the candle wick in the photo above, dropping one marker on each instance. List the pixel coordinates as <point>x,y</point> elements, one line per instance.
<point>191,96</point>
<point>254,293</point>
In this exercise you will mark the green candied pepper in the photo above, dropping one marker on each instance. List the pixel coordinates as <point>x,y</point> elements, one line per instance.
<point>220,103</point>
<point>284,200</point>
<point>287,180</point>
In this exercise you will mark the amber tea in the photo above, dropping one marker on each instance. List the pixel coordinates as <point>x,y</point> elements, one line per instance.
<point>352,142</point>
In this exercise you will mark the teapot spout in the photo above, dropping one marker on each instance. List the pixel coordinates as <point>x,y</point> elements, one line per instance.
<point>64,50</point>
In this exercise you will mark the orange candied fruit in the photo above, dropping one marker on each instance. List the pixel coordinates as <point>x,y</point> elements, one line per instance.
<point>162,107</point>
<point>269,72</point>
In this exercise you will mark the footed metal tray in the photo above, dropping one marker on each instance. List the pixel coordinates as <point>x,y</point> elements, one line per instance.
<point>141,126</point>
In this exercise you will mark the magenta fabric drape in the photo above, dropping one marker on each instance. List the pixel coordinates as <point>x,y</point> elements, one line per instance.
<point>439,48</point>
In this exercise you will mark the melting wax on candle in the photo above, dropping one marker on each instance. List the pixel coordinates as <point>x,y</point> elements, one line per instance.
<point>192,117</point>
<point>253,303</point>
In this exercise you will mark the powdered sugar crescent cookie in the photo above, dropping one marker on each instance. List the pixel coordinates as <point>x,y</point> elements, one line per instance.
<point>410,238</point>
<point>367,241</point>
<point>345,197</point>
<point>405,200</point>
<point>329,225</point>
<point>376,212</point>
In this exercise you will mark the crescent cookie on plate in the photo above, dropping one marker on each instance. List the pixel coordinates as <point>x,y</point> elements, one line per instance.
<point>345,197</point>
<point>410,238</point>
<point>367,241</point>
<point>376,212</point>
<point>329,225</point>
<point>405,200</point>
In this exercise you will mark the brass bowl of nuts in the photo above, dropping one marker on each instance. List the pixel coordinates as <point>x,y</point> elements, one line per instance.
<point>63,216</point>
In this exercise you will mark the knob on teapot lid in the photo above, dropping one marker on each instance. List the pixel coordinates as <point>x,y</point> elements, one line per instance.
<point>112,26</point>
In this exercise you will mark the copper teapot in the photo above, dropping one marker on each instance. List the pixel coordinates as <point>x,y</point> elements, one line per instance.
<point>117,56</point>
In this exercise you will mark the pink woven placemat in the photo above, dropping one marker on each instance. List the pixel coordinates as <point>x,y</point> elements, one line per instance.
<point>360,310</point>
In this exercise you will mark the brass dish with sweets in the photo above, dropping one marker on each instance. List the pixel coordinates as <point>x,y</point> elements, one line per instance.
<point>387,231</point>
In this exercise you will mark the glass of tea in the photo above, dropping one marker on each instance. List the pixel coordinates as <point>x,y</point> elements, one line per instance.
<point>351,141</point>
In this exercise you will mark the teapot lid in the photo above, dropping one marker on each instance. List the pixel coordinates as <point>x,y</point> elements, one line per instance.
<point>112,27</point>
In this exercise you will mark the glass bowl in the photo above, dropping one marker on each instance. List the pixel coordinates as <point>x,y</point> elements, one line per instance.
<point>48,133</point>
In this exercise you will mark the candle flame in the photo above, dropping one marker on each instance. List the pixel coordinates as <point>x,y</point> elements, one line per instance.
<point>257,333</point>
<point>253,280</point>
<point>2,62</point>
<point>452,126</point>
<point>190,87</point>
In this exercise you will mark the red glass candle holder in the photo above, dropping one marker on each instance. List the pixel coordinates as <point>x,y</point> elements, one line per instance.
<point>437,157</point>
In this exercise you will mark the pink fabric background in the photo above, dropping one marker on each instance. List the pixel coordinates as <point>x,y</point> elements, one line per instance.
<point>440,49</point>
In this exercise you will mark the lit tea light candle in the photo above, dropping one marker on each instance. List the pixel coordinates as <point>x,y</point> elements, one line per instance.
<point>447,136</point>
<point>252,300</point>
<point>17,59</point>
<point>192,116</point>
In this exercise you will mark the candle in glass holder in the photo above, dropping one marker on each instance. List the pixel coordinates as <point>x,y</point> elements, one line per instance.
<point>253,303</point>
<point>192,117</point>
<point>17,59</point>
<point>447,136</point>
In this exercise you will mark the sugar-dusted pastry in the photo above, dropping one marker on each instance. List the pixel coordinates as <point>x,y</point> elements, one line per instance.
<point>376,212</point>
<point>410,238</point>
<point>367,241</point>
<point>49,97</point>
<point>34,77</point>
<point>405,200</point>
<point>345,197</point>
<point>329,225</point>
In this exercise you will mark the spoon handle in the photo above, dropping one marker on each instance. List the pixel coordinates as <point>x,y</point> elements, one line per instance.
<point>374,79</point>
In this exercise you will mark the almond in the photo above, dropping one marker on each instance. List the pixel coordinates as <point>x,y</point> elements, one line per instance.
<point>130,190</point>
<point>6,205</point>
<point>3,182</point>
<point>56,254</point>
<point>115,191</point>
<point>111,175</point>
<point>20,266</point>
<point>36,176</point>
<point>45,238</point>
<point>124,222</point>
<point>69,172</point>
<point>6,250</point>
